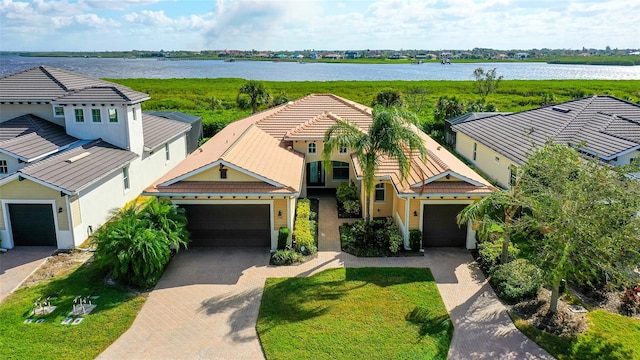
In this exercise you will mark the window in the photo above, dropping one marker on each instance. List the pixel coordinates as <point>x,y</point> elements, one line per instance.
<point>135,114</point>
<point>312,148</point>
<point>125,177</point>
<point>497,159</point>
<point>380,192</point>
<point>4,168</point>
<point>167,155</point>
<point>58,111</point>
<point>343,150</point>
<point>475,151</point>
<point>96,116</point>
<point>113,115</point>
<point>340,170</point>
<point>79,115</point>
<point>513,175</point>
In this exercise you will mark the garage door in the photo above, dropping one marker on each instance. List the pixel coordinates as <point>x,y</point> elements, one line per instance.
<point>229,225</point>
<point>440,227</point>
<point>32,224</point>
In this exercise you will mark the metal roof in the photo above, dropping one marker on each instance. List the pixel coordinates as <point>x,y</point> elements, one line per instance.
<point>45,84</point>
<point>158,130</point>
<point>61,171</point>
<point>29,137</point>
<point>599,125</point>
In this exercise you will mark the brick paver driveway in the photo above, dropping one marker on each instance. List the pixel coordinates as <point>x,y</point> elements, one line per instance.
<point>18,263</point>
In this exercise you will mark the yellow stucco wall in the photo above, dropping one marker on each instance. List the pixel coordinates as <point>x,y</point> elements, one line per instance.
<point>383,209</point>
<point>213,174</point>
<point>414,221</point>
<point>76,216</point>
<point>29,190</point>
<point>279,221</point>
<point>302,147</point>
<point>400,206</point>
<point>485,159</point>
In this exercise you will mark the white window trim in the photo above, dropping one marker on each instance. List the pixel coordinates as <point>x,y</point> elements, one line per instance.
<point>75,116</point>
<point>109,116</point>
<point>4,164</point>
<point>315,148</point>
<point>167,152</point>
<point>384,193</point>
<point>126,178</point>
<point>54,111</point>
<point>333,176</point>
<point>92,119</point>
<point>475,151</point>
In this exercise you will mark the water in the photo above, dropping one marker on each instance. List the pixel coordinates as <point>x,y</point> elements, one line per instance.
<point>291,71</point>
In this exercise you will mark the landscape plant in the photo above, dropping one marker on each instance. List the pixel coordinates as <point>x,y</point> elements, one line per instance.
<point>390,135</point>
<point>348,199</point>
<point>135,245</point>
<point>380,237</point>
<point>283,237</point>
<point>516,281</point>
<point>305,239</point>
<point>415,239</point>
<point>586,216</point>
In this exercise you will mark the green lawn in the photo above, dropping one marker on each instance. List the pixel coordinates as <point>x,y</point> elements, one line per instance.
<point>114,314</point>
<point>609,336</point>
<point>354,314</point>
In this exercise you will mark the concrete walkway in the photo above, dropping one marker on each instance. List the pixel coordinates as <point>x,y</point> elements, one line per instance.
<point>18,263</point>
<point>206,304</point>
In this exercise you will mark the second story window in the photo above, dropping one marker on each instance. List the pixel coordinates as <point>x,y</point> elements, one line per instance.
<point>343,150</point>
<point>96,115</point>
<point>79,115</point>
<point>125,177</point>
<point>311,148</point>
<point>113,115</point>
<point>475,151</point>
<point>167,154</point>
<point>379,192</point>
<point>4,168</point>
<point>58,111</point>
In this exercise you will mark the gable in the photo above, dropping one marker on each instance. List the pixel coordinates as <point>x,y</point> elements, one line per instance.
<point>213,174</point>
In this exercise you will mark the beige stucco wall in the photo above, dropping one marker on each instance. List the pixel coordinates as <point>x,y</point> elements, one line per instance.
<point>213,174</point>
<point>485,159</point>
<point>384,208</point>
<point>302,147</point>
<point>45,111</point>
<point>414,221</point>
<point>279,221</point>
<point>29,190</point>
<point>74,204</point>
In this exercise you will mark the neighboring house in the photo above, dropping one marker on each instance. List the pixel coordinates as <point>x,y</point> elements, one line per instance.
<point>450,135</point>
<point>72,148</point>
<point>241,186</point>
<point>601,126</point>
<point>352,55</point>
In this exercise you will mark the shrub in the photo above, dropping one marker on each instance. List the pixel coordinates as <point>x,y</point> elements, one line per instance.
<point>351,207</point>
<point>630,301</point>
<point>347,191</point>
<point>395,241</point>
<point>283,238</point>
<point>380,237</point>
<point>415,239</point>
<point>304,234</point>
<point>286,257</point>
<point>516,280</point>
<point>490,252</point>
<point>135,246</point>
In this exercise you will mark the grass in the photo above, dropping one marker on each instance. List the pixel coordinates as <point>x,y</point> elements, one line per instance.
<point>115,312</point>
<point>355,314</point>
<point>609,336</point>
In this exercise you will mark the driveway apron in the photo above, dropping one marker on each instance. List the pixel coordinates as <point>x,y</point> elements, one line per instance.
<point>206,304</point>
<point>17,264</point>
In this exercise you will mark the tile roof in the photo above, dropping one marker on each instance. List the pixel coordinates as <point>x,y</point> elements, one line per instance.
<point>94,160</point>
<point>259,145</point>
<point>608,126</point>
<point>473,116</point>
<point>439,162</point>
<point>29,137</point>
<point>158,130</point>
<point>219,187</point>
<point>47,84</point>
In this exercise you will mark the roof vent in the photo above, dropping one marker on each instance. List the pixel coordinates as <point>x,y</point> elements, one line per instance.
<point>78,157</point>
<point>561,109</point>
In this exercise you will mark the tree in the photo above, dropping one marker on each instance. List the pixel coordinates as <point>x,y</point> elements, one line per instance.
<point>391,134</point>
<point>417,98</point>
<point>388,98</point>
<point>256,92</point>
<point>586,216</point>
<point>480,105</point>
<point>500,208</point>
<point>447,107</point>
<point>486,81</point>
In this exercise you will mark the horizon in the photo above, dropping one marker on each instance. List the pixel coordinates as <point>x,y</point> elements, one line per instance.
<point>282,25</point>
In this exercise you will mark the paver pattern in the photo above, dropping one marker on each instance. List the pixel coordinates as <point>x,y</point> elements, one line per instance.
<point>18,263</point>
<point>206,304</point>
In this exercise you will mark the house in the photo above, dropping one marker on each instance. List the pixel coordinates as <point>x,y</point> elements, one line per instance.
<point>450,135</point>
<point>72,148</point>
<point>241,186</point>
<point>352,55</point>
<point>601,126</point>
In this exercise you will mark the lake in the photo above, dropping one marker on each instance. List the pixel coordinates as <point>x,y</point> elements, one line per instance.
<point>292,71</point>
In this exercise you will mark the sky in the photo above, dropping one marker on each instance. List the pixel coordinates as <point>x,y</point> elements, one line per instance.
<point>289,25</point>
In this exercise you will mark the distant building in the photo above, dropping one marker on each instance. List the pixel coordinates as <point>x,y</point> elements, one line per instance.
<point>352,55</point>
<point>332,56</point>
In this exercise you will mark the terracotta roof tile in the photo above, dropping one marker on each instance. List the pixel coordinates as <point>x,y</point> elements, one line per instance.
<point>219,187</point>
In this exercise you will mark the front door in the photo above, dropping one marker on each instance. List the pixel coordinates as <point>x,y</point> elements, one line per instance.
<point>315,174</point>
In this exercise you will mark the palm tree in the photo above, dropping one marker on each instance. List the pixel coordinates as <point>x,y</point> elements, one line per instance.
<point>256,92</point>
<point>501,208</point>
<point>391,134</point>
